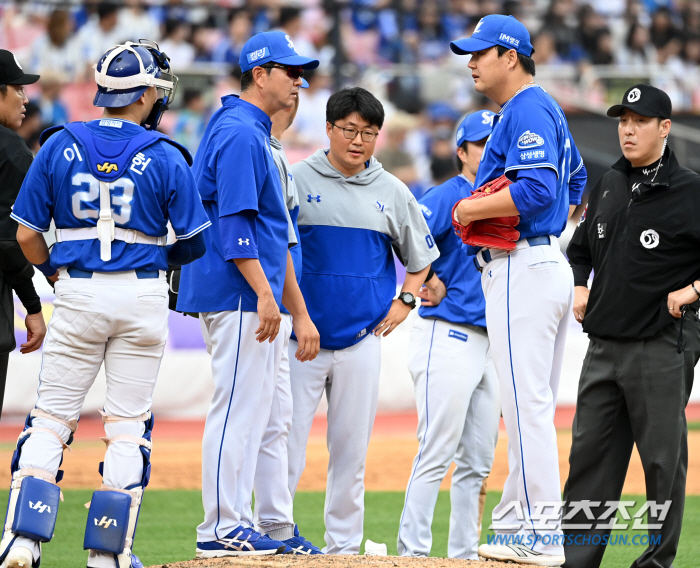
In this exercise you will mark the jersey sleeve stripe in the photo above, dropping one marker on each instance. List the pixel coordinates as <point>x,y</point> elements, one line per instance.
<point>193,233</point>
<point>547,165</point>
<point>573,173</point>
<point>27,224</point>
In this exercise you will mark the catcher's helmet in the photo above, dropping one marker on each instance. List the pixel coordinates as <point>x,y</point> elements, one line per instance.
<point>125,72</point>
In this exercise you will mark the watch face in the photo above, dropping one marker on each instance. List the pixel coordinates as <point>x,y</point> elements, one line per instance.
<point>408,298</point>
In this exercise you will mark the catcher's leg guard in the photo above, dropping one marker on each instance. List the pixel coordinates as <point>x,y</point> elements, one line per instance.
<point>111,523</point>
<point>32,506</point>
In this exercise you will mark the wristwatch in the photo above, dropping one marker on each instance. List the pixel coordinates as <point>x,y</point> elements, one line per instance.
<point>408,299</point>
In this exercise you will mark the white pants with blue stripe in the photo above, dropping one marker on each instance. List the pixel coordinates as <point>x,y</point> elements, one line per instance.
<point>529,294</point>
<point>244,373</point>
<point>458,413</point>
<point>350,379</point>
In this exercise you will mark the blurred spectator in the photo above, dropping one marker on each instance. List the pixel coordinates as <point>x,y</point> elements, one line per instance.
<point>53,110</point>
<point>393,154</point>
<point>239,32</point>
<point>309,127</point>
<point>691,53</point>
<point>603,53</point>
<point>31,126</point>
<point>545,49</point>
<point>559,22</point>
<point>442,159</point>
<point>638,50</point>
<point>590,25</point>
<point>101,32</point>
<point>56,49</point>
<point>290,23</point>
<point>137,20</point>
<point>434,41</point>
<point>175,44</point>
<point>191,121</point>
<point>662,30</point>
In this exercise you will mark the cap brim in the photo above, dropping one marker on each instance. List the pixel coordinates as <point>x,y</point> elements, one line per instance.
<point>616,110</point>
<point>476,136</point>
<point>469,45</point>
<point>304,83</point>
<point>25,79</point>
<point>297,61</point>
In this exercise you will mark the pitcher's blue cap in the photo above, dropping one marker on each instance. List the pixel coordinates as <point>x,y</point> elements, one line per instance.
<point>276,47</point>
<point>475,126</point>
<point>495,30</point>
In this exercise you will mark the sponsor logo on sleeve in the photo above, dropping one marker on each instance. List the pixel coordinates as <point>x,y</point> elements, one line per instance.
<point>530,140</point>
<point>427,213</point>
<point>257,54</point>
<point>533,155</point>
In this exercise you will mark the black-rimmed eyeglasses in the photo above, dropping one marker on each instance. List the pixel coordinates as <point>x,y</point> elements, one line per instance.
<point>350,133</point>
<point>292,72</point>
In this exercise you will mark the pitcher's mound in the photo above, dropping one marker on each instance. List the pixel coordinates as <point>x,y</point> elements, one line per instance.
<point>331,561</point>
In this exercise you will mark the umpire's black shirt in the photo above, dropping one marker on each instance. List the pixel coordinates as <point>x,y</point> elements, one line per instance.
<point>641,236</point>
<point>15,159</point>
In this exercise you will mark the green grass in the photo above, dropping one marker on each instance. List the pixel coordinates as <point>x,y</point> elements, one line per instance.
<point>166,530</point>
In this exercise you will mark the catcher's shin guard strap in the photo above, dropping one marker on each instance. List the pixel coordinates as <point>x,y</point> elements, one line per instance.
<point>109,419</point>
<point>72,425</point>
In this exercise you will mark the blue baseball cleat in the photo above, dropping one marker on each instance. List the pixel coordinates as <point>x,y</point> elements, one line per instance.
<point>241,541</point>
<point>299,545</point>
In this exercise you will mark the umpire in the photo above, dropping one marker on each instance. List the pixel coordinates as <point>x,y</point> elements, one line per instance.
<point>641,237</point>
<point>15,271</point>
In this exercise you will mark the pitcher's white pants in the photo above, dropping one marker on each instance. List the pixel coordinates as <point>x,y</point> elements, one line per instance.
<point>123,321</point>
<point>274,507</point>
<point>350,379</point>
<point>458,414</point>
<point>529,294</point>
<point>244,372</point>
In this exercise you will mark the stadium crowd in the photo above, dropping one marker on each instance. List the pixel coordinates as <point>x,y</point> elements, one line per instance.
<point>396,47</point>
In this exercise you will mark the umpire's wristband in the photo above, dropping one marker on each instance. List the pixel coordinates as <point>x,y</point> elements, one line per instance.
<point>46,269</point>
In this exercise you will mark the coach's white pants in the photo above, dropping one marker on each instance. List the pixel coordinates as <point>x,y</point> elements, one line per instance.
<point>458,413</point>
<point>244,372</point>
<point>350,379</point>
<point>115,318</point>
<point>529,294</point>
<point>274,508</point>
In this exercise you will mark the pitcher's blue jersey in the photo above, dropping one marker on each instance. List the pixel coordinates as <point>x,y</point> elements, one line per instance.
<point>464,303</point>
<point>155,186</point>
<point>531,131</point>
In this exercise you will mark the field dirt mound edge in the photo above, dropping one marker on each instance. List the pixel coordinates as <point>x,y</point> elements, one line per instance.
<point>331,561</point>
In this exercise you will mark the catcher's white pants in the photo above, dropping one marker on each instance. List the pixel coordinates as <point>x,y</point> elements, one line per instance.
<point>458,414</point>
<point>529,294</point>
<point>244,373</point>
<point>350,379</point>
<point>274,508</point>
<point>123,321</point>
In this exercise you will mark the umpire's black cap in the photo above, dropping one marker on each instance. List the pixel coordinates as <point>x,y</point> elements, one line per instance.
<point>645,100</point>
<point>11,72</point>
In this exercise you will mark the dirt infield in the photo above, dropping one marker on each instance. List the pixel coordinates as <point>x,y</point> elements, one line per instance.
<point>177,461</point>
<point>332,561</point>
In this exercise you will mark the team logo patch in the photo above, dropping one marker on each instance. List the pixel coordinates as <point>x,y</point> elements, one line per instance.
<point>460,133</point>
<point>379,206</point>
<point>458,335</point>
<point>107,168</point>
<point>478,26</point>
<point>487,117</point>
<point>427,213</point>
<point>111,123</point>
<point>583,217</point>
<point>17,62</point>
<point>649,239</point>
<point>257,54</point>
<point>150,70</point>
<point>530,140</point>
<point>242,242</point>
<point>311,198</point>
<point>602,229</point>
<point>634,95</point>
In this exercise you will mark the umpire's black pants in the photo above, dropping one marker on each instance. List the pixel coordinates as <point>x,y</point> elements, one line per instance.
<point>632,392</point>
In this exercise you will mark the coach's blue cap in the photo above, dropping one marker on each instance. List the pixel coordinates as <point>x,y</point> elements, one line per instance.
<point>495,30</point>
<point>475,126</point>
<point>276,47</point>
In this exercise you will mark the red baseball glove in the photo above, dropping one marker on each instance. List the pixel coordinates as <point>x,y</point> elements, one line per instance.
<point>497,232</point>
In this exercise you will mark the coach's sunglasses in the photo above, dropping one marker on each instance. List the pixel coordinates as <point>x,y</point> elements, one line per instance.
<point>292,72</point>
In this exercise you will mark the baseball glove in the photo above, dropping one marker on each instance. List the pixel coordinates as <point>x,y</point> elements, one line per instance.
<point>497,232</point>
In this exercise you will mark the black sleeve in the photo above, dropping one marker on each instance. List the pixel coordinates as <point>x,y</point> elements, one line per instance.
<point>579,249</point>
<point>18,274</point>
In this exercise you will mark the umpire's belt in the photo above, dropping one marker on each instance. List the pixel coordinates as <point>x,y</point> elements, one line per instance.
<point>485,255</point>
<point>140,273</point>
<point>129,236</point>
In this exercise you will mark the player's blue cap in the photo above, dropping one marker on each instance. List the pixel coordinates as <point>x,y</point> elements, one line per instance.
<point>495,30</point>
<point>475,126</point>
<point>276,47</point>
